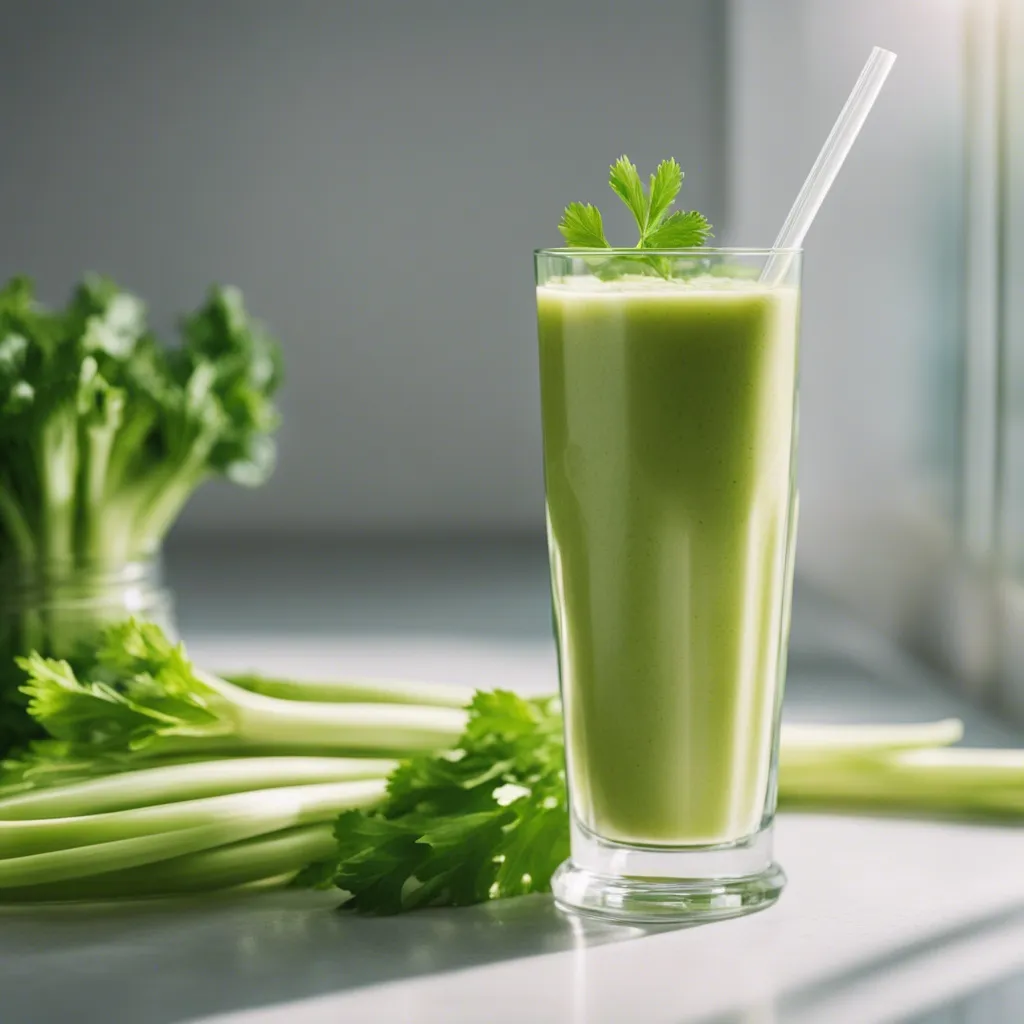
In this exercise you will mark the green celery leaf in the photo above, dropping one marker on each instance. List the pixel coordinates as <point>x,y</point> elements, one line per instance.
<point>484,821</point>
<point>659,228</point>
<point>680,230</point>
<point>582,228</point>
<point>666,182</point>
<point>625,182</point>
<point>248,371</point>
<point>140,688</point>
<point>107,319</point>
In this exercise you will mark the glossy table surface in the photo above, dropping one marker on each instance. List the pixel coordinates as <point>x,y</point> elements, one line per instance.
<point>883,919</point>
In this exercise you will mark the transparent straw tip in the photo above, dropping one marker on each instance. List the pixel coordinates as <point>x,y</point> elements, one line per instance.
<point>831,158</point>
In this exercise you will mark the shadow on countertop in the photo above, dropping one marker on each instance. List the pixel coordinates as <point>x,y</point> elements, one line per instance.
<point>163,963</point>
<point>968,974</point>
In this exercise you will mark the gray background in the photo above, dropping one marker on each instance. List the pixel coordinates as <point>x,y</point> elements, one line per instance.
<point>374,176</point>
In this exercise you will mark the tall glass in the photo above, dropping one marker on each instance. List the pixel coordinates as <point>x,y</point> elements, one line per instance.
<point>669,400</point>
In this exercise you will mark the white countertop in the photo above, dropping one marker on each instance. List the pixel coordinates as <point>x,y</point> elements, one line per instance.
<point>882,920</point>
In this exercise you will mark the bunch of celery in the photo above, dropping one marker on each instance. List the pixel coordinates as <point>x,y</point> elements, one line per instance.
<point>105,432</point>
<point>159,778</point>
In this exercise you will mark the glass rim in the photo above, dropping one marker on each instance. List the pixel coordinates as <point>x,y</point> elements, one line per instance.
<point>704,250</point>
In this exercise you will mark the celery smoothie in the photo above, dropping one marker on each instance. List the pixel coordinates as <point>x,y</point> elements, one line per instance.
<point>668,433</point>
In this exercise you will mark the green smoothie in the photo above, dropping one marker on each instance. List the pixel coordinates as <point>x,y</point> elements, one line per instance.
<point>668,420</point>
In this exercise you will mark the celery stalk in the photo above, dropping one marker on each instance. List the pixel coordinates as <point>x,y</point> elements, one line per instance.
<point>823,744</point>
<point>358,691</point>
<point>959,780</point>
<point>275,857</point>
<point>146,787</point>
<point>257,814</point>
<point>306,804</point>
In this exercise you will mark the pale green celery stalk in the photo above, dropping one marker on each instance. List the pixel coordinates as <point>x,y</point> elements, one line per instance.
<point>821,745</point>
<point>269,724</point>
<point>18,779</point>
<point>268,811</point>
<point>168,495</point>
<point>97,448</point>
<point>186,468</point>
<point>31,630</point>
<point>307,805</point>
<point>356,691</point>
<point>125,853</point>
<point>138,513</point>
<point>13,517</point>
<point>57,465</point>
<point>113,542</point>
<point>146,787</point>
<point>955,780</point>
<point>275,857</point>
<point>128,443</point>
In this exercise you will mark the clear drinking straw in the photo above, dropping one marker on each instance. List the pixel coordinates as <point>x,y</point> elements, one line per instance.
<point>837,147</point>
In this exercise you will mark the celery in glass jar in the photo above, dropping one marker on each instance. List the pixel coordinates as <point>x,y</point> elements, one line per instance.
<point>105,433</point>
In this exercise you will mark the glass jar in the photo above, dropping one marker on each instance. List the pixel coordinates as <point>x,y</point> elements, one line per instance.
<point>59,609</point>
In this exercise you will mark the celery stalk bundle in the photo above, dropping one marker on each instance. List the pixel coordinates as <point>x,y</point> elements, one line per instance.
<point>159,778</point>
<point>105,433</point>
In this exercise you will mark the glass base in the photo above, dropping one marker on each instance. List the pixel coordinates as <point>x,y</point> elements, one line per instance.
<point>668,885</point>
<point>682,900</point>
